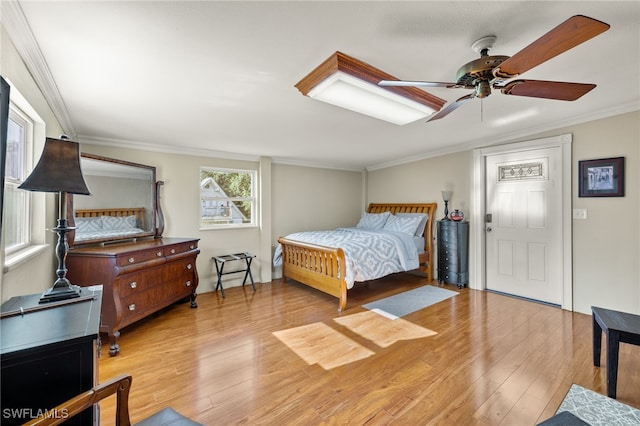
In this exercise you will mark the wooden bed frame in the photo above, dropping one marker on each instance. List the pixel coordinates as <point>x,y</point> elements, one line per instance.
<point>324,268</point>
<point>138,212</point>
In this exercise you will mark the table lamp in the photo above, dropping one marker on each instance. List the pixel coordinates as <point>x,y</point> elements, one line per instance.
<point>446,196</point>
<point>58,170</point>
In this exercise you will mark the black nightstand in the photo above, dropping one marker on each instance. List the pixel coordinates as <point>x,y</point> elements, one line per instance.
<point>453,252</point>
<point>48,355</point>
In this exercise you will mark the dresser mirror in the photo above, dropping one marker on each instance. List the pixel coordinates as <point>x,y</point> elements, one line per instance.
<point>123,204</point>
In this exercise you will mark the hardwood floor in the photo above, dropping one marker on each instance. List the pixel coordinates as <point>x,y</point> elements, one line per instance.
<point>495,360</point>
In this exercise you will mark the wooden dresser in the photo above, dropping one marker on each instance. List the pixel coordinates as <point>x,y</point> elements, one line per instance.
<point>139,278</point>
<point>453,252</point>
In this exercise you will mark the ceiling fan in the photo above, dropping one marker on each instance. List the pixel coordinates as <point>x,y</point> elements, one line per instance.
<point>493,72</point>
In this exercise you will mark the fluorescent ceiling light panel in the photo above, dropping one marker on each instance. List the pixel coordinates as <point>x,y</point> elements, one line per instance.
<point>349,83</point>
<point>348,92</point>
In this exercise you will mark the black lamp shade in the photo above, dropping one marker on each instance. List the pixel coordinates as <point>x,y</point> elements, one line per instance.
<point>58,169</point>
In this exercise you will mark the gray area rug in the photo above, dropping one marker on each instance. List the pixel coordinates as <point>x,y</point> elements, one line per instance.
<point>409,301</point>
<point>598,410</point>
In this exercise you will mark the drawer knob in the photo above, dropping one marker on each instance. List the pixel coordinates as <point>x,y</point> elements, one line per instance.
<point>188,284</point>
<point>191,247</point>
<point>189,266</point>
<point>132,307</point>
<point>131,260</point>
<point>159,254</point>
<point>133,284</point>
<point>173,251</point>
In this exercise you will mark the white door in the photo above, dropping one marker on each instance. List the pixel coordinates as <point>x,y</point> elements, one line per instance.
<point>523,224</point>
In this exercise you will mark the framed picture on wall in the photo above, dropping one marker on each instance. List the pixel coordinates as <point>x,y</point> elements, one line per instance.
<point>601,178</point>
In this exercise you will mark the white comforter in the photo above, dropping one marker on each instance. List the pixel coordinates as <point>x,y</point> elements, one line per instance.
<point>369,254</point>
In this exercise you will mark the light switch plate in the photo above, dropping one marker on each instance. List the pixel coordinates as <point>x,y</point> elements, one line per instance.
<point>579,213</point>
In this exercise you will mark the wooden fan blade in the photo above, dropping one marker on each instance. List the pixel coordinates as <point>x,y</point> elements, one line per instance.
<point>547,89</point>
<point>569,34</point>
<point>451,107</point>
<point>395,83</point>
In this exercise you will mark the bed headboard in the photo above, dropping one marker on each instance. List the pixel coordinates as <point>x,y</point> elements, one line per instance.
<point>138,212</point>
<point>428,208</point>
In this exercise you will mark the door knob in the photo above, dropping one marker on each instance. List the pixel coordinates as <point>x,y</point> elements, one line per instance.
<point>489,229</point>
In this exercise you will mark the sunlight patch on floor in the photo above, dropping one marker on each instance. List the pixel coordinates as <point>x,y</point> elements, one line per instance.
<point>320,344</point>
<point>381,330</point>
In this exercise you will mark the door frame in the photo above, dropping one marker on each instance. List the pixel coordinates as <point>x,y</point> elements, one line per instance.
<point>477,266</point>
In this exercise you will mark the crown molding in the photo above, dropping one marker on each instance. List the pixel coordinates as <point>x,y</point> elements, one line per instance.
<point>303,163</point>
<point>511,137</point>
<point>142,146</point>
<point>15,22</point>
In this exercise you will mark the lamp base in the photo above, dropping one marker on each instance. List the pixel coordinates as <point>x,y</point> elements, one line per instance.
<point>57,293</point>
<point>446,210</point>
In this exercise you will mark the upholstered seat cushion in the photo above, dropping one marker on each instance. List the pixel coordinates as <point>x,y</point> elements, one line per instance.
<point>167,417</point>
<point>564,418</point>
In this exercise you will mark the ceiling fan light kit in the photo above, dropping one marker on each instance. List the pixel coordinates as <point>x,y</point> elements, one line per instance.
<point>352,84</point>
<point>493,72</point>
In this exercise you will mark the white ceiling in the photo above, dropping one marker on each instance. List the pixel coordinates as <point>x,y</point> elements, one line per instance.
<point>217,78</point>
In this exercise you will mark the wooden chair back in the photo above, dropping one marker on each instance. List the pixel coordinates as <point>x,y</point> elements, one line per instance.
<point>63,412</point>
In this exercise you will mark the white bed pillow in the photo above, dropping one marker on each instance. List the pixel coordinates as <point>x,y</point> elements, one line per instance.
<point>406,224</point>
<point>373,220</point>
<point>113,223</point>
<point>423,221</point>
<point>88,224</point>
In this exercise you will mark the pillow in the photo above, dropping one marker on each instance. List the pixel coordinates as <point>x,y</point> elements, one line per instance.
<point>88,224</point>
<point>406,224</point>
<point>373,220</point>
<point>113,223</point>
<point>423,221</point>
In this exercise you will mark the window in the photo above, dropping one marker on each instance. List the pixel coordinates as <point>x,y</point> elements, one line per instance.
<point>227,198</point>
<point>17,208</point>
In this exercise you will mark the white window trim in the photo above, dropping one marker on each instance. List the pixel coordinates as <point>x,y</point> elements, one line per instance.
<point>17,258</point>
<point>255,200</point>
<point>18,116</point>
<point>38,226</point>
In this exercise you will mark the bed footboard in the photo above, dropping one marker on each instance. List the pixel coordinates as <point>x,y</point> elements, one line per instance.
<point>320,267</point>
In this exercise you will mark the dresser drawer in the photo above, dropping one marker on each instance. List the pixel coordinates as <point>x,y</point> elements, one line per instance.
<point>461,278</point>
<point>447,256</point>
<point>140,304</point>
<point>139,281</point>
<point>139,257</point>
<point>180,248</point>
<point>179,268</point>
<point>184,283</point>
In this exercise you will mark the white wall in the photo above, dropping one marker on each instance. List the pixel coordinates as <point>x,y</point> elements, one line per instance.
<point>300,198</point>
<point>180,202</point>
<point>606,245</point>
<point>305,198</point>
<point>423,181</point>
<point>308,198</point>
<point>38,273</point>
<point>606,248</point>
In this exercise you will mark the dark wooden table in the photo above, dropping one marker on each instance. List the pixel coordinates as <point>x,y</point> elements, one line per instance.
<point>618,327</point>
<point>48,354</point>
